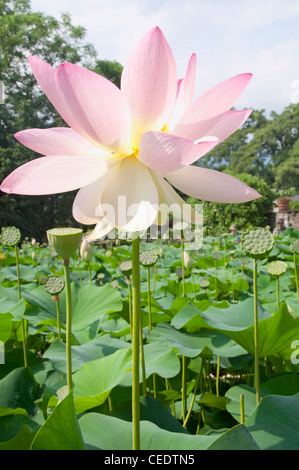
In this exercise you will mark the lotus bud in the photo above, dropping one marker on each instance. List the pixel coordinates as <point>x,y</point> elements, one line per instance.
<point>188,261</point>
<point>65,241</point>
<point>86,250</point>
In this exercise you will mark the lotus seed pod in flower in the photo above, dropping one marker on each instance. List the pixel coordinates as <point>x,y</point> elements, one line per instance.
<point>132,145</point>
<point>86,250</point>
<point>65,241</point>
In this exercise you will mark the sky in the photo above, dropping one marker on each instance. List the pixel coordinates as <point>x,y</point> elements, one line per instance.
<point>228,36</point>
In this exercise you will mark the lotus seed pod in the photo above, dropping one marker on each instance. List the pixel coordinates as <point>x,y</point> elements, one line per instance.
<point>204,284</point>
<point>125,268</point>
<point>188,261</point>
<point>10,236</point>
<point>216,256</point>
<point>148,258</point>
<point>43,278</point>
<point>277,268</point>
<point>295,245</point>
<point>257,243</point>
<point>54,285</point>
<point>86,250</point>
<point>65,241</point>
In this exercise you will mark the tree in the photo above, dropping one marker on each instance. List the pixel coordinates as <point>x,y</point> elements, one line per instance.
<point>24,32</point>
<point>265,147</point>
<point>218,217</point>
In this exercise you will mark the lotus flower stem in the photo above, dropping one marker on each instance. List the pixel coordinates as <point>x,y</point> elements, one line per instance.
<point>215,278</point>
<point>183,266</point>
<point>296,275</point>
<point>277,291</point>
<point>89,272</point>
<point>198,378</point>
<point>256,346</point>
<point>149,299</point>
<point>242,409</point>
<point>135,342</point>
<point>142,359</point>
<point>184,373</point>
<point>217,376</point>
<point>20,296</point>
<point>66,268</point>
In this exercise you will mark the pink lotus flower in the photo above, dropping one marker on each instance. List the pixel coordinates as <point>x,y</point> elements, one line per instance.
<point>131,142</point>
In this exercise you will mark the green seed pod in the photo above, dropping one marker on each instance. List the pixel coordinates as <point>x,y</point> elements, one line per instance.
<point>216,256</point>
<point>54,285</point>
<point>257,243</point>
<point>295,245</point>
<point>65,241</point>
<point>10,236</point>
<point>277,268</point>
<point>125,268</point>
<point>148,258</point>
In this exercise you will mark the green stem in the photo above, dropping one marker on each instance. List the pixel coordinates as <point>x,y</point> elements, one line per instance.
<point>89,273</point>
<point>130,304</point>
<point>233,290</point>
<point>142,359</point>
<point>23,324</point>
<point>149,299</point>
<point>296,276</point>
<point>58,318</point>
<point>184,373</point>
<point>215,278</point>
<point>242,409</point>
<point>277,291</point>
<point>66,268</point>
<point>193,397</point>
<point>183,267</point>
<point>256,346</point>
<point>135,342</point>
<point>217,376</point>
<point>193,282</point>
<point>154,281</point>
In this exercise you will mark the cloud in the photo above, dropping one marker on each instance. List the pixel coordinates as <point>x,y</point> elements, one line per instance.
<point>228,37</point>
